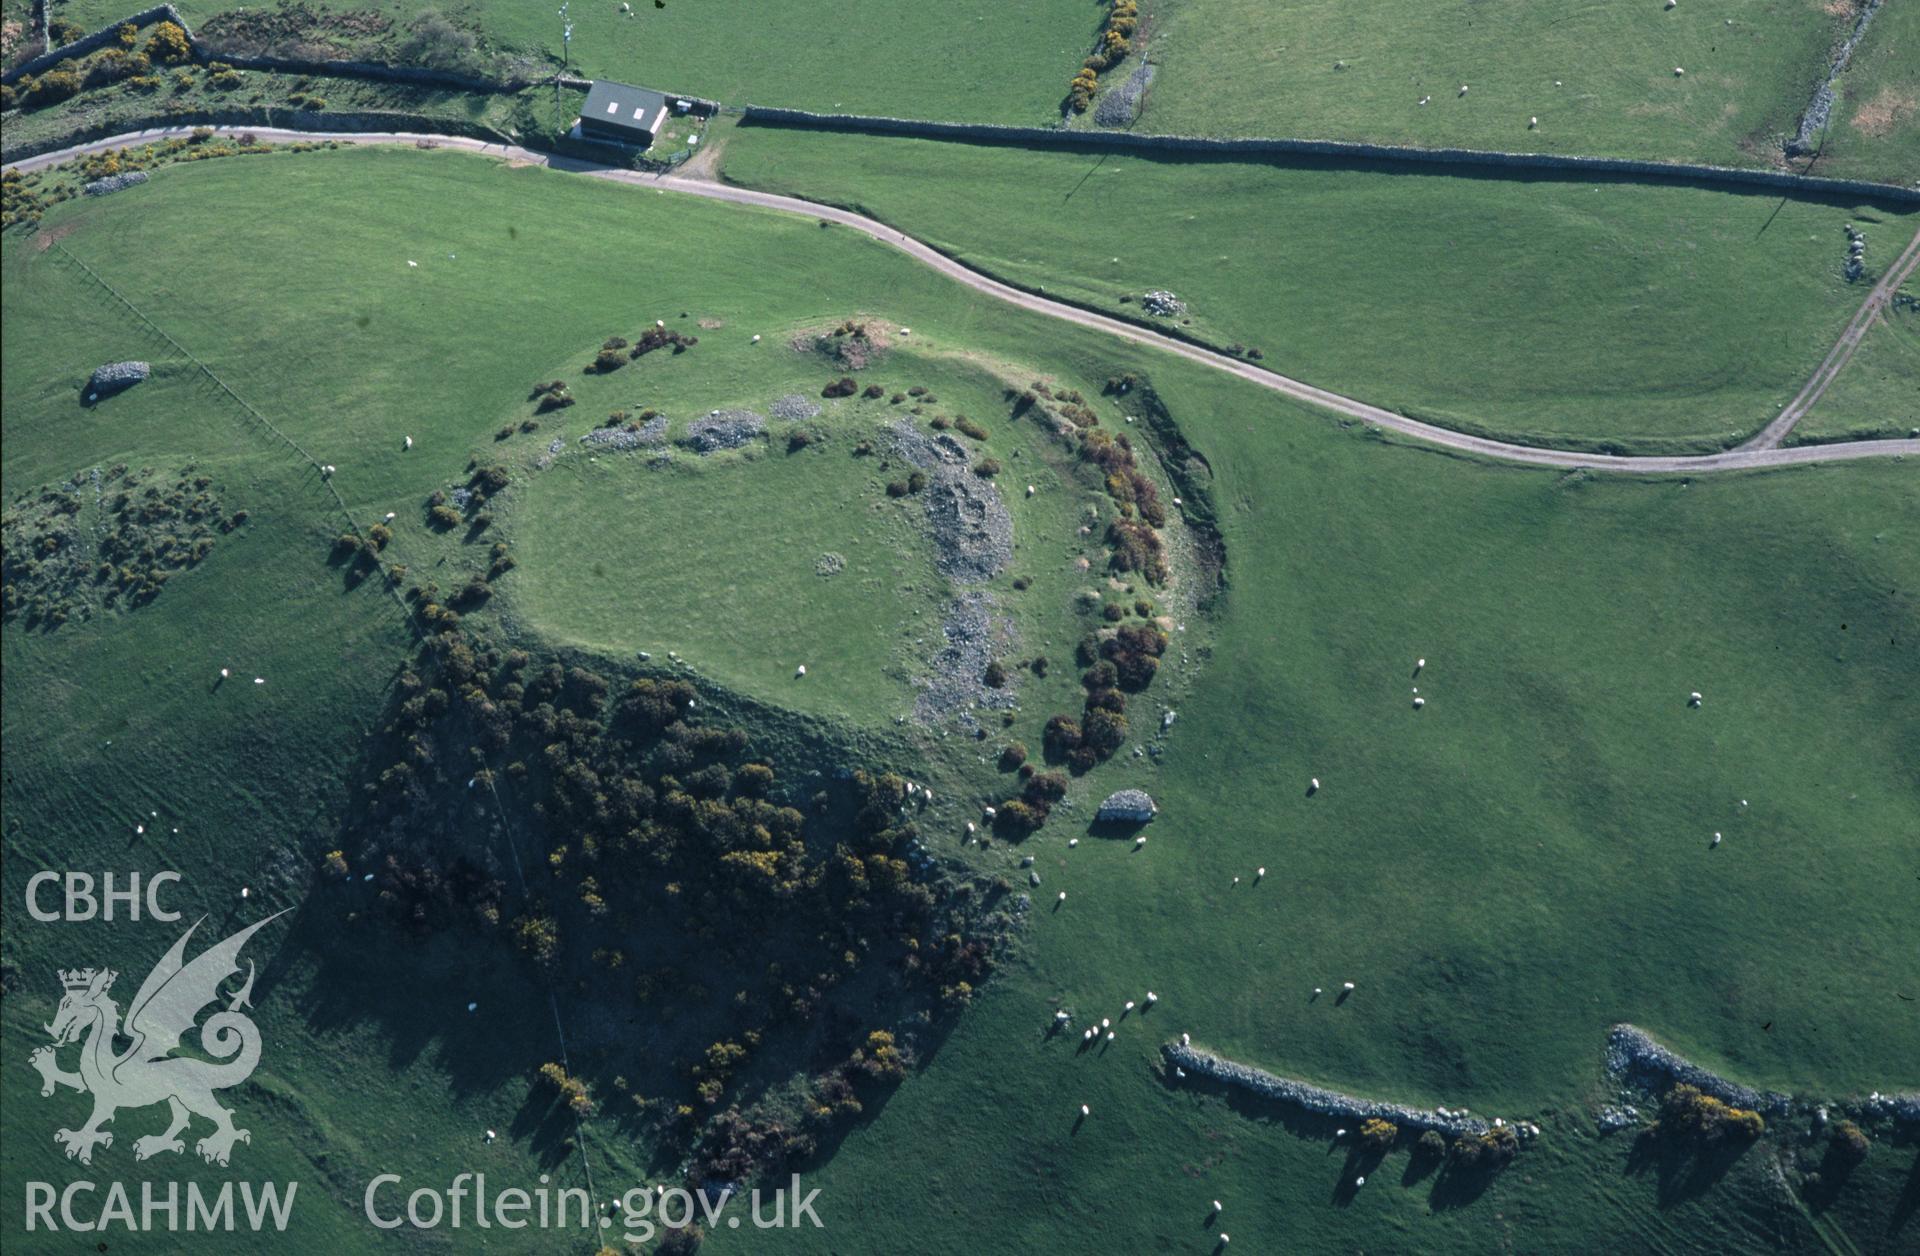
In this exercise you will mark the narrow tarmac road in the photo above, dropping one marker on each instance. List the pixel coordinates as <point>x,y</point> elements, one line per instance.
<point>1754,454</point>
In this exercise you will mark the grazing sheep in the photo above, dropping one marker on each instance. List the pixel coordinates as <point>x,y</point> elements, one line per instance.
<point>1346,985</point>
<point>407,443</point>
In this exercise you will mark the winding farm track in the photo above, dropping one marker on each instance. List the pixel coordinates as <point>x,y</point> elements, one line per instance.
<point>1762,451</point>
<point>1871,309</point>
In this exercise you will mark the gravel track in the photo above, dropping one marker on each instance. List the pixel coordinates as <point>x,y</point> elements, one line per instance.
<point>1746,457</point>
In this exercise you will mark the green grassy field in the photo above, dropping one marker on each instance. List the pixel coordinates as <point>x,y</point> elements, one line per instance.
<point>1571,314</point>
<point>1876,122</point>
<point>1504,873</point>
<point>974,61</point>
<point>1600,78</point>
<point>1878,394</point>
<point>722,555</point>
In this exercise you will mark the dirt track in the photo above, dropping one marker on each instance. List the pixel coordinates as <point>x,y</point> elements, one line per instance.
<point>1762,451</point>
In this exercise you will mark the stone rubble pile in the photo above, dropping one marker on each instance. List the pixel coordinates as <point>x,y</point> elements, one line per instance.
<point>724,429</point>
<point>1315,1099</point>
<point>1162,302</point>
<point>1633,1056</point>
<point>652,432</point>
<point>956,681</point>
<point>793,407</point>
<point>114,182</point>
<point>972,531</point>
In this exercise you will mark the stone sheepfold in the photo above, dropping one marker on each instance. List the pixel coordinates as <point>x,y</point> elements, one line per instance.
<point>1127,806</point>
<point>1330,1103</point>
<point>1634,1056</point>
<point>115,376</point>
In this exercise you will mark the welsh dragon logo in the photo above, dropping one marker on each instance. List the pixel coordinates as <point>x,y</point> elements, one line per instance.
<point>148,1071</point>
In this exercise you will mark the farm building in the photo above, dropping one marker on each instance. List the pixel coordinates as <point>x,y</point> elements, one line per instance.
<point>623,114</point>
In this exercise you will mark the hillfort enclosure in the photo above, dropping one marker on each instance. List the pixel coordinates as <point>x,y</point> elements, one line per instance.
<point>1161,625</point>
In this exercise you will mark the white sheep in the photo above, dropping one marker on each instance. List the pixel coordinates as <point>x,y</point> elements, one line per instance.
<point>1085,1110</point>
<point>407,443</point>
<point>1346,985</point>
<point>224,673</point>
<point>800,670</point>
<point>473,1007</point>
<point>1259,873</point>
<point>1313,785</point>
<point>1106,1022</point>
<point>1062,898</point>
<point>1072,842</point>
<point>1129,1005</point>
<point>756,339</point>
<point>246,892</point>
<point>1360,1181</point>
<point>1140,841</point>
<point>259,680</point>
<point>1152,998</point>
<point>1418,703</point>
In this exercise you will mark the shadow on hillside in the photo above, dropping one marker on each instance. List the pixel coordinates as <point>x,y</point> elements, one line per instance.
<point>1682,1170</point>
<point>1909,1201</point>
<point>1069,142</point>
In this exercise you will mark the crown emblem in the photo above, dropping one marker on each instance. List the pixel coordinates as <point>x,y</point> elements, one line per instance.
<point>79,978</point>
